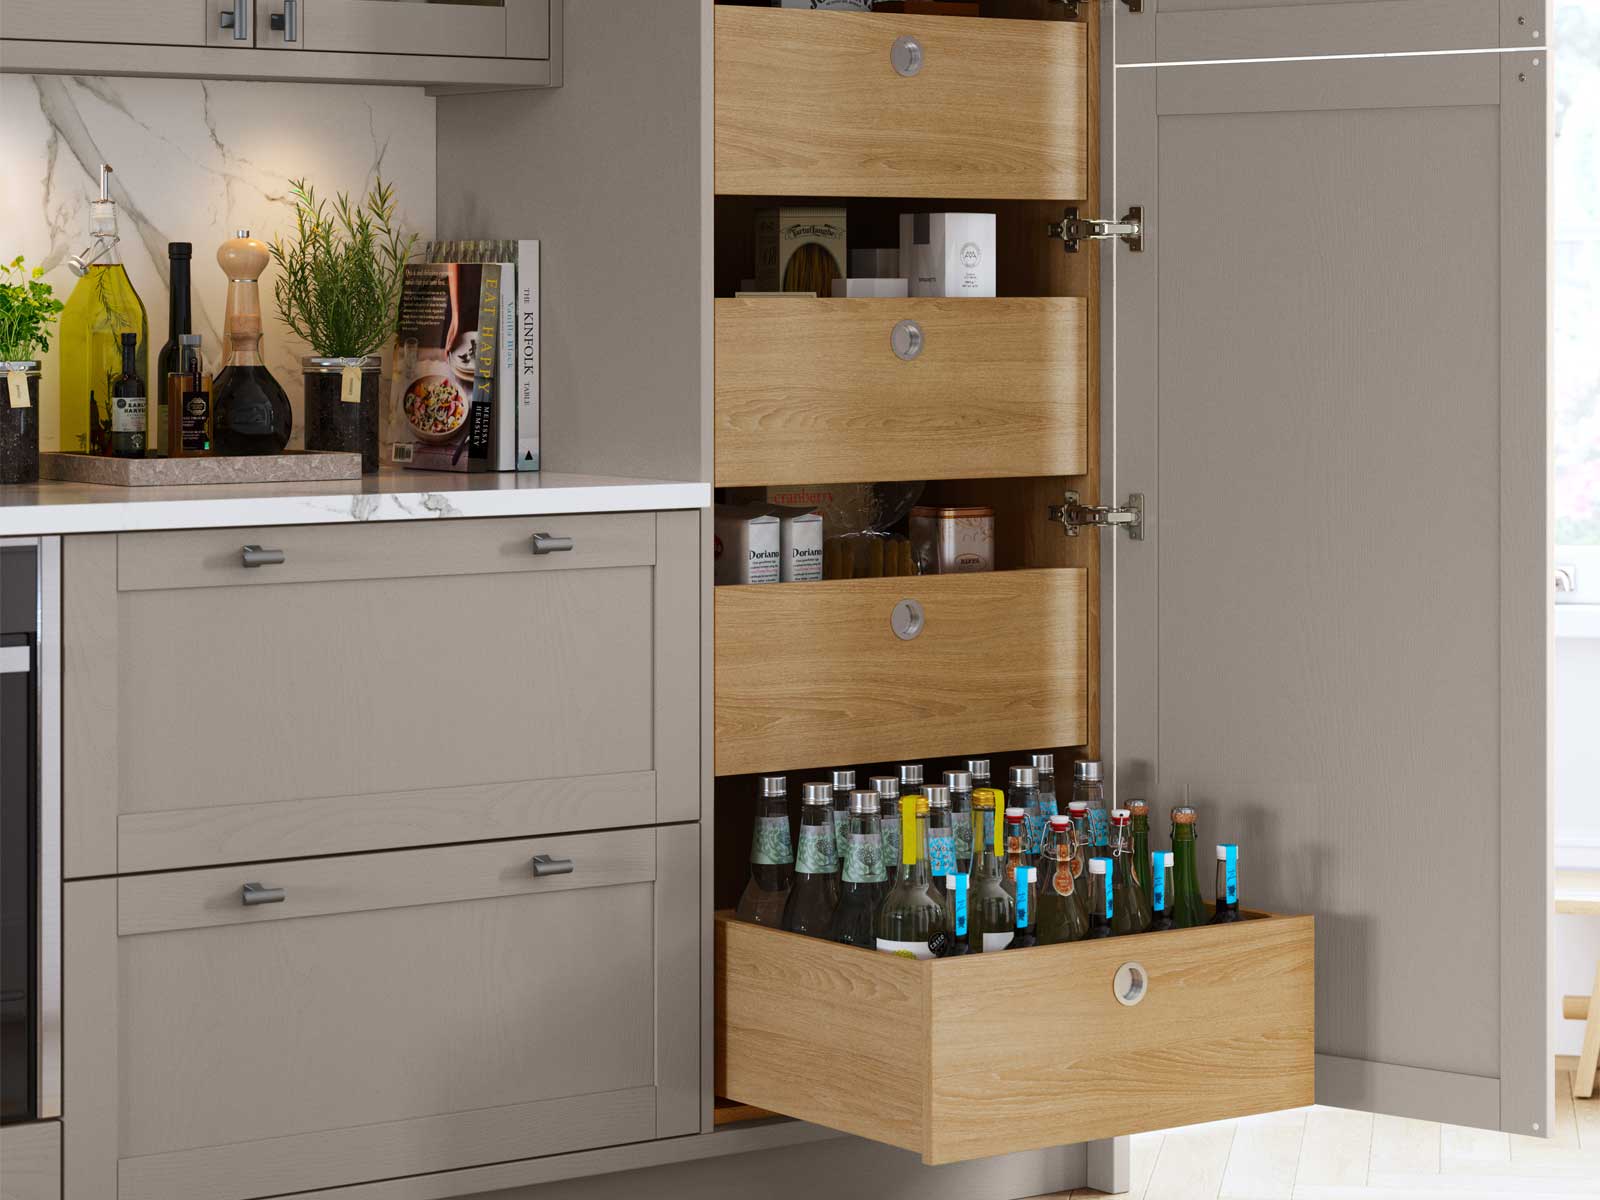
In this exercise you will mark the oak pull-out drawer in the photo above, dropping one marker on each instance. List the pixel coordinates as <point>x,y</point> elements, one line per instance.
<point>999,663</point>
<point>817,389</point>
<point>375,686</point>
<point>813,104</point>
<point>964,1058</point>
<point>290,1026</point>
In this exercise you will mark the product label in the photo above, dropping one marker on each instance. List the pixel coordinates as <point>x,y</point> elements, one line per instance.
<point>1024,878</point>
<point>1099,827</point>
<point>961,826</point>
<point>350,384</point>
<point>1061,881</point>
<point>1110,891</point>
<point>891,841</point>
<point>941,854</point>
<point>816,855</point>
<point>196,410</point>
<point>769,845</point>
<point>997,941</point>
<point>958,894</point>
<point>17,389</point>
<point>127,414</point>
<point>863,859</point>
<point>906,949</point>
<point>1158,883</point>
<point>1230,869</point>
<point>841,826</point>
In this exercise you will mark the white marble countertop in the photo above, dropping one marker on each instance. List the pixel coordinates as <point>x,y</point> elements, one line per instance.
<point>51,507</point>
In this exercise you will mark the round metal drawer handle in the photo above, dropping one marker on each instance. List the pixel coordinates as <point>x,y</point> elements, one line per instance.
<point>906,55</point>
<point>1131,984</point>
<point>906,340</point>
<point>907,620</point>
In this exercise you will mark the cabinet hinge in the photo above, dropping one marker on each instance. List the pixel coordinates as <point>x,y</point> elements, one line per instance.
<point>1134,5</point>
<point>1073,229</point>
<point>1075,515</point>
<point>1072,7</point>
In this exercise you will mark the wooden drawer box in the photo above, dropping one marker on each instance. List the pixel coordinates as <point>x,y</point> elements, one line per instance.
<point>810,104</point>
<point>381,686</point>
<point>999,664</point>
<point>393,1014</point>
<point>811,390</point>
<point>969,1057</point>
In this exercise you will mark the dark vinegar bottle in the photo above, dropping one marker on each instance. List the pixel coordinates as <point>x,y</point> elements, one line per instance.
<point>250,411</point>
<point>171,360</point>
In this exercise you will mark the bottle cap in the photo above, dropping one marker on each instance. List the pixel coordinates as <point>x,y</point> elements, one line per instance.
<point>774,785</point>
<point>1024,777</point>
<point>1045,764</point>
<point>886,785</point>
<point>984,797</point>
<point>180,250</point>
<point>938,795</point>
<point>1078,808</point>
<point>1016,814</point>
<point>818,793</point>
<point>958,781</point>
<point>1119,816</point>
<point>864,804</point>
<point>1222,851</point>
<point>130,339</point>
<point>1183,815</point>
<point>1139,808</point>
<point>1060,822</point>
<point>910,774</point>
<point>1086,770</point>
<point>844,781</point>
<point>1166,858</point>
<point>1097,866</point>
<point>978,767</point>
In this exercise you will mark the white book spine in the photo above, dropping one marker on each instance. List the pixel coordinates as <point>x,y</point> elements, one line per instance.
<point>529,357</point>
<point>506,407</point>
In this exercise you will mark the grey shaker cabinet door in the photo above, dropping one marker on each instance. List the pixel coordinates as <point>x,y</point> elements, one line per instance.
<point>459,28</point>
<point>393,1014</point>
<point>383,686</point>
<point>149,22</point>
<point>1329,373</point>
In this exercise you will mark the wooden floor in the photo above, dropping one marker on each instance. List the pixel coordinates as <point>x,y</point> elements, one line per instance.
<point>1330,1154</point>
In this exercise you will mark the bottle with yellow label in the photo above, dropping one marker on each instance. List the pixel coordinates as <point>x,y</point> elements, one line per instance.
<point>911,921</point>
<point>991,912</point>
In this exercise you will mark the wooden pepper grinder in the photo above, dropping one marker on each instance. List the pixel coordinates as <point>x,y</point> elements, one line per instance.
<point>252,410</point>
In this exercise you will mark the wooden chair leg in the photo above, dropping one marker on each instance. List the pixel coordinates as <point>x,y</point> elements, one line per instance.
<point>1583,1081</point>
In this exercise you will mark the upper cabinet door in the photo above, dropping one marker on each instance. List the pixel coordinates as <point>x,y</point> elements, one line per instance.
<point>460,28</point>
<point>1330,387</point>
<point>150,22</point>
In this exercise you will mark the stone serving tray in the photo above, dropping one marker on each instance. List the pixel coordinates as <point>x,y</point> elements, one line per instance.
<point>293,466</point>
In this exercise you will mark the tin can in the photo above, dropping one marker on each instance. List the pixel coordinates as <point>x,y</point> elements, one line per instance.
<point>952,541</point>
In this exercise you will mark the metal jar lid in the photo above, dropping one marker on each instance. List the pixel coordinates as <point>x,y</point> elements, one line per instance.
<point>314,365</point>
<point>774,785</point>
<point>1024,777</point>
<point>844,781</point>
<point>951,514</point>
<point>1087,770</point>
<point>818,793</point>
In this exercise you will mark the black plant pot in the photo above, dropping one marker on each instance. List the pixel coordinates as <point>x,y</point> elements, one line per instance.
<point>332,421</point>
<point>19,425</point>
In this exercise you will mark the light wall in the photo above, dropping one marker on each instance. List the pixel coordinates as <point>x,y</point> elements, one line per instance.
<point>1577,803</point>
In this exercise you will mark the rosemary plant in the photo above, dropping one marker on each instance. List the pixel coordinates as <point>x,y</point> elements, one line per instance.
<point>340,275</point>
<point>28,308</point>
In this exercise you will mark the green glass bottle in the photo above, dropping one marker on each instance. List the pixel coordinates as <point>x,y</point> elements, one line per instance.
<point>911,922</point>
<point>991,913</point>
<point>1140,811</point>
<point>864,881</point>
<point>960,785</point>
<point>1163,891</point>
<point>1101,911</point>
<point>815,893</point>
<point>771,856</point>
<point>1132,909</point>
<point>1063,915</point>
<point>1227,885</point>
<point>1188,910</point>
<point>888,789</point>
<point>103,306</point>
<point>844,782</point>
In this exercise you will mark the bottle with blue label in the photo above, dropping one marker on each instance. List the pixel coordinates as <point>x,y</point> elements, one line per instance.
<point>960,785</point>
<point>1227,885</point>
<point>955,914</point>
<point>815,893</point>
<point>1063,916</point>
<point>991,912</point>
<point>1100,898</point>
<point>1161,891</point>
<point>941,845</point>
<point>1044,766</point>
<point>1088,789</point>
<point>771,856</point>
<point>864,880</point>
<point>1024,887</point>
<point>1133,910</point>
<point>1023,793</point>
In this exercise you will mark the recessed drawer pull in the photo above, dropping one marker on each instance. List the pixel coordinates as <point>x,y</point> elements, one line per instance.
<point>256,556</point>
<point>544,865</point>
<point>549,543</point>
<point>907,620</point>
<point>906,55</point>
<point>906,340</point>
<point>259,893</point>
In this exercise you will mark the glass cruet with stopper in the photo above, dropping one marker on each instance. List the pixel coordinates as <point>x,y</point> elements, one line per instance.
<point>1188,909</point>
<point>1132,909</point>
<point>1101,910</point>
<point>844,782</point>
<point>1162,890</point>
<point>1063,916</point>
<point>815,892</point>
<point>960,785</point>
<point>1227,885</point>
<point>864,880</point>
<point>888,789</point>
<point>991,912</point>
<point>250,411</point>
<point>771,856</point>
<point>1089,790</point>
<point>910,922</point>
<point>1023,793</point>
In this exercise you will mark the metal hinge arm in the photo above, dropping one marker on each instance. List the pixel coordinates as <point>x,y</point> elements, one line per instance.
<point>1073,515</point>
<point>1073,229</point>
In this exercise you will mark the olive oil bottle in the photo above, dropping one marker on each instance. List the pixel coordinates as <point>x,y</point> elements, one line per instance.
<point>103,306</point>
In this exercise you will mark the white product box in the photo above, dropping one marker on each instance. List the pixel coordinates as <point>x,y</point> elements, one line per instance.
<point>749,545</point>
<point>800,540</point>
<point>870,289</point>
<point>948,254</point>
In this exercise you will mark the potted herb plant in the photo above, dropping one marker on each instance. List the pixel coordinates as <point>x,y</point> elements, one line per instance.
<point>28,308</point>
<point>338,288</point>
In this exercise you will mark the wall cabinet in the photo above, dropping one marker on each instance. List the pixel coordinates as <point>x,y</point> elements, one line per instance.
<point>446,43</point>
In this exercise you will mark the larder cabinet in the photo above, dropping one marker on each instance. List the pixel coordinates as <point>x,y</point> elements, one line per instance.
<point>1327,627</point>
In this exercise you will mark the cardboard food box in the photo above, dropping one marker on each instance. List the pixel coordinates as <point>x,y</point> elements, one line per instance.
<point>800,249</point>
<point>748,544</point>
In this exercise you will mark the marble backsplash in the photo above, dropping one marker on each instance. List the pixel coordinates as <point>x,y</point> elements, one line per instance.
<point>195,160</point>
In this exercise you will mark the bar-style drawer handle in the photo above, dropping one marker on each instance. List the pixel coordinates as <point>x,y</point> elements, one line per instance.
<point>544,865</point>
<point>259,893</point>
<point>549,543</point>
<point>257,556</point>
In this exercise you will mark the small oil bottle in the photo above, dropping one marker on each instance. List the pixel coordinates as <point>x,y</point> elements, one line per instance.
<point>188,402</point>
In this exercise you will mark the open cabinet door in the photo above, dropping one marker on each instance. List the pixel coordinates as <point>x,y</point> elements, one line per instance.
<point>1329,384</point>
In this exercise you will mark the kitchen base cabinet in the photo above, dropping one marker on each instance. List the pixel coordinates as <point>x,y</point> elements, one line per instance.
<point>30,1161</point>
<point>379,1016</point>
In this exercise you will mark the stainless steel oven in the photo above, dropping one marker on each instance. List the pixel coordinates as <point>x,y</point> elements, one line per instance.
<point>30,829</point>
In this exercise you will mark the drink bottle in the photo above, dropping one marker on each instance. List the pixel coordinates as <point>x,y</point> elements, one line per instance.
<point>1188,909</point>
<point>1082,846</point>
<point>1132,909</point>
<point>1088,788</point>
<point>910,922</point>
<point>863,880</point>
<point>1100,898</point>
<point>941,846</point>
<point>771,857</point>
<point>1044,766</point>
<point>1023,884</point>
<point>960,785</point>
<point>1140,812</point>
<point>1162,890</point>
<point>1227,885</point>
<point>888,789</point>
<point>1024,794</point>
<point>1017,857</point>
<point>844,782</point>
<point>815,892</point>
<point>991,913</point>
<point>1063,916</point>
